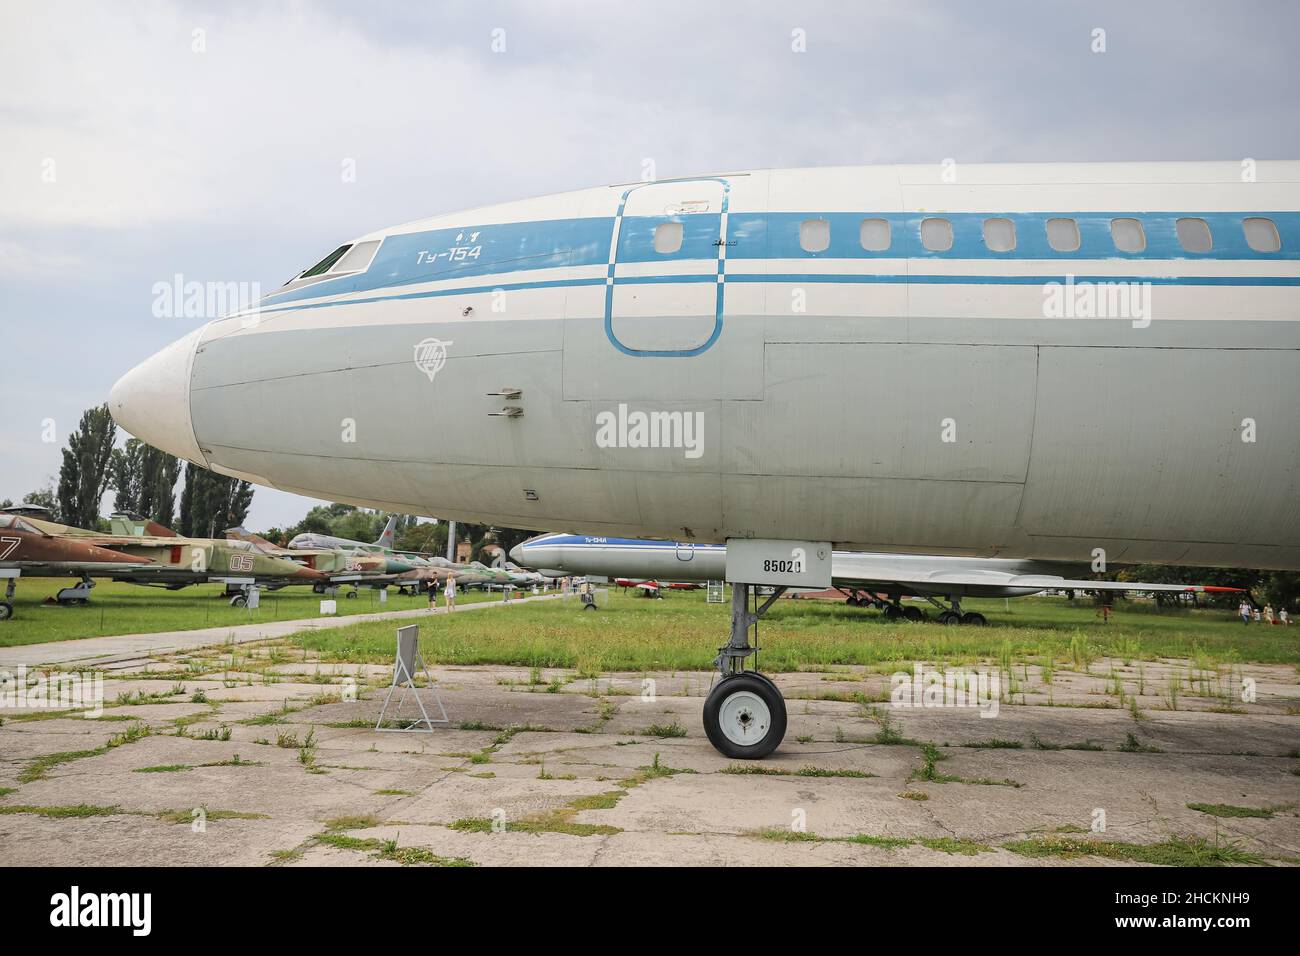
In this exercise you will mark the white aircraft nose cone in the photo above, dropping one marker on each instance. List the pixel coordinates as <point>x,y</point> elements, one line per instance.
<point>152,401</point>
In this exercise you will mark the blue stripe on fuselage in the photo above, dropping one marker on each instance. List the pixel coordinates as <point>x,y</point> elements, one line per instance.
<point>595,541</point>
<point>513,249</point>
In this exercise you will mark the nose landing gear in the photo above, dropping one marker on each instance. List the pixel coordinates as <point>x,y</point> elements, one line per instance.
<point>744,714</point>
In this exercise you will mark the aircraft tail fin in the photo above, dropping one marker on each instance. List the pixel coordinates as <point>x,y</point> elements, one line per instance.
<point>387,538</point>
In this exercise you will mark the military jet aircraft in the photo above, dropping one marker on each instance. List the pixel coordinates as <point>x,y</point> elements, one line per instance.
<point>27,549</point>
<point>311,539</point>
<point>175,562</point>
<point>356,566</point>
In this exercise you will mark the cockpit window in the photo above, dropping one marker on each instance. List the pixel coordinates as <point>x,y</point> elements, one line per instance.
<point>358,257</point>
<point>327,263</point>
<point>351,259</point>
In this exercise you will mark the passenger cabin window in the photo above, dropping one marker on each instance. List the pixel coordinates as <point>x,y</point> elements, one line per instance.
<point>668,237</point>
<point>999,235</point>
<point>1127,235</point>
<point>1261,234</point>
<point>876,235</point>
<point>814,235</point>
<point>1063,235</point>
<point>1194,235</point>
<point>936,234</point>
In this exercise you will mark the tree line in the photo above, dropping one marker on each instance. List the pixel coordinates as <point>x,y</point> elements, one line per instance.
<point>143,480</point>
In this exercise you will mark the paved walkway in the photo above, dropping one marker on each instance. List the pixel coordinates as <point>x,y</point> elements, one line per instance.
<point>122,649</point>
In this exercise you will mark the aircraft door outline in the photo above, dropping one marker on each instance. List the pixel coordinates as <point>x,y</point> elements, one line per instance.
<point>719,281</point>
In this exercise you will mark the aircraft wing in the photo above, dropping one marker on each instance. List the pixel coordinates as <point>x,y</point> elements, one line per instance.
<point>939,580</point>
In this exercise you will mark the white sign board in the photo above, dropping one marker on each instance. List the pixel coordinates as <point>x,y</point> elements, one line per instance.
<point>329,607</point>
<point>774,562</point>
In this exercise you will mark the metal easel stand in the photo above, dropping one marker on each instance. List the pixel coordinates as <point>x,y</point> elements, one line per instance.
<point>409,662</point>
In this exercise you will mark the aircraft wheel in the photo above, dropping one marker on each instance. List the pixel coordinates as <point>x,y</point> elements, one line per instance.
<point>350,595</point>
<point>893,612</point>
<point>913,613</point>
<point>744,717</point>
<point>318,588</point>
<point>852,602</point>
<point>239,600</point>
<point>974,618</point>
<point>949,617</point>
<point>6,610</point>
<point>589,607</point>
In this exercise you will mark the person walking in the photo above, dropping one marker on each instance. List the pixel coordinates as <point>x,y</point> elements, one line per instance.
<point>1283,617</point>
<point>451,594</point>
<point>1244,610</point>
<point>433,595</point>
<point>1268,614</point>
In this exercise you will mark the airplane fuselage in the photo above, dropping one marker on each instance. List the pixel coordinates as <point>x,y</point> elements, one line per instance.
<point>1040,362</point>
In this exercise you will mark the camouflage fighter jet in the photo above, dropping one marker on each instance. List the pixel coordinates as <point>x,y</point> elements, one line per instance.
<point>26,549</point>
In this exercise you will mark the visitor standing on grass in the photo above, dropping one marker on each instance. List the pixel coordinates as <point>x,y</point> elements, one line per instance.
<point>433,595</point>
<point>1244,610</point>
<point>451,594</point>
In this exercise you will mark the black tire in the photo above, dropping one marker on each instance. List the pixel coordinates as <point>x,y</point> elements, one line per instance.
<point>239,600</point>
<point>949,617</point>
<point>893,612</point>
<point>589,607</point>
<point>913,613</point>
<point>6,610</point>
<point>974,618</point>
<point>767,738</point>
<point>852,602</point>
<point>350,595</point>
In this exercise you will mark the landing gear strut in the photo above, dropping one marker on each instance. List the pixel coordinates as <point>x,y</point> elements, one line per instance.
<point>954,615</point>
<point>7,605</point>
<point>744,714</point>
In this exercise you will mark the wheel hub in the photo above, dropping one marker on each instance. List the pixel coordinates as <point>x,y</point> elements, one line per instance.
<point>744,718</point>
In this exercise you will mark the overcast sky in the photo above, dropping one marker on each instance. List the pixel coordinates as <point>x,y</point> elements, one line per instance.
<point>220,155</point>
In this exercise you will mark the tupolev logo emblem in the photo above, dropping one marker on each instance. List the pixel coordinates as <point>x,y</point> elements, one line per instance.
<point>431,356</point>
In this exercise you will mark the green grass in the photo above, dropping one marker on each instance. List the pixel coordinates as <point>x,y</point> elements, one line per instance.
<point>1174,851</point>
<point>38,767</point>
<point>117,608</point>
<point>682,632</point>
<point>79,810</point>
<point>382,850</point>
<point>1228,810</point>
<point>549,821</point>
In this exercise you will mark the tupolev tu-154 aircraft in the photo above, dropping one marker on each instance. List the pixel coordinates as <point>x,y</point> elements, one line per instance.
<point>1048,362</point>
